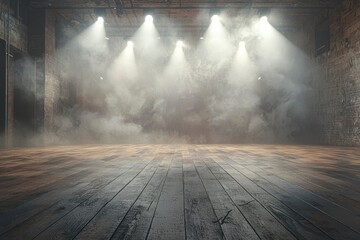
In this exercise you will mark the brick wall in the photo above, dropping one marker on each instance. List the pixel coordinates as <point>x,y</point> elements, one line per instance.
<point>337,78</point>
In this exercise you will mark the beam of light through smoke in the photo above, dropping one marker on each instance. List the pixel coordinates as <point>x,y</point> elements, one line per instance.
<point>216,46</point>
<point>176,75</point>
<point>156,90</point>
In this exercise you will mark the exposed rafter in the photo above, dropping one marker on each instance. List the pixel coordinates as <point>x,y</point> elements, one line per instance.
<point>182,4</point>
<point>119,7</point>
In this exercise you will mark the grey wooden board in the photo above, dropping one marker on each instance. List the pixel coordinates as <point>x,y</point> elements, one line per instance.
<point>137,221</point>
<point>327,224</point>
<point>111,215</point>
<point>186,192</point>
<point>265,225</point>
<point>200,221</point>
<point>168,220</point>
<point>234,226</point>
<point>294,222</point>
<point>70,200</point>
<point>70,225</point>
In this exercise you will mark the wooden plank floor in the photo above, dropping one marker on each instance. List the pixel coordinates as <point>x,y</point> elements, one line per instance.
<point>180,192</point>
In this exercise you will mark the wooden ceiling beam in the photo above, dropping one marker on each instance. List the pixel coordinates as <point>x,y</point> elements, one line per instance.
<point>181,4</point>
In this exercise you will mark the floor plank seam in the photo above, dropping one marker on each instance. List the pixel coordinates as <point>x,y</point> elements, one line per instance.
<point>113,197</point>
<point>234,203</point>
<point>306,218</point>
<point>135,201</point>
<point>157,203</point>
<point>45,209</point>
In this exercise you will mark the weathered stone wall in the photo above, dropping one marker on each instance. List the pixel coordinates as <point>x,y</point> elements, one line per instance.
<point>336,76</point>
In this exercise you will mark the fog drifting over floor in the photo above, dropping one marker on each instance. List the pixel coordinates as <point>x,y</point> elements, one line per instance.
<point>219,90</point>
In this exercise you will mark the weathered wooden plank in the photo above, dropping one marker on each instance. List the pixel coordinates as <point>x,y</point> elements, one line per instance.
<point>324,190</point>
<point>137,221</point>
<point>50,208</point>
<point>304,188</point>
<point>332,227</point>
<point>168,221</point>
<point>201,221</point>
<point>313,176</point>
<point>265,225</point>
<point>16,215</point>
<point>70,225</point>
<point>339,213</point>
<point>233,223</point>
<point>296,224</point>
<point>111,215</point>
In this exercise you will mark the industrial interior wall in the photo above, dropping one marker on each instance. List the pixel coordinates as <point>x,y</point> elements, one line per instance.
<point>14,33</point>
<point>52,84</point>
<point>16,30</point>
<point>337,77</point>
<point>42,48</point>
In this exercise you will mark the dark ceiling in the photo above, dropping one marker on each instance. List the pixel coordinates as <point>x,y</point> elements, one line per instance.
<point>125,15</point>
<point>183,4</point>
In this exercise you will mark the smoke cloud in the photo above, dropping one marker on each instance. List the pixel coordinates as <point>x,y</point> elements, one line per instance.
<point>157,91</point>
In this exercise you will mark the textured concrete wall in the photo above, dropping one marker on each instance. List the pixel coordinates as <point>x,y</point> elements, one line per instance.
<point>16,30</point>
<point>337,78</point>
<point>42,48</point>
<point>52,85</point>
<point>15,33</point>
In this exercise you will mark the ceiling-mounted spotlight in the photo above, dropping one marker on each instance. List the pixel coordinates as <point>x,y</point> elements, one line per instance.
<point>179,44</point>
<point>264,19</point>
<point>119,8</point>
<point>130,44</point>
<point>242,44</point>
<point>100,12</point>
<point>148,14</point>
<point>149,18</point>
<point>264,12</point>
<point>100,20</point>
<point>215,18</point>
<point>214,11</point>
<point>214,14</point>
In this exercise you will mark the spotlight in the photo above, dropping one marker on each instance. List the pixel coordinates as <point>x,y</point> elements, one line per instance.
<point>214,14</point>
<point>263,19</point>
<point>149,19</point>
<point>100,20</point>
<point>263,13</point>
<point>100,13</point>
<point>242,44</point>
<point>215,18</point>
<point>130,44</point>
<point>179,44</point>
<point>202,38</point>
<point>149,12</point>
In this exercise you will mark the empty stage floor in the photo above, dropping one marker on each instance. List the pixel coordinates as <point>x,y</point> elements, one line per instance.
<point>180,192</point>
